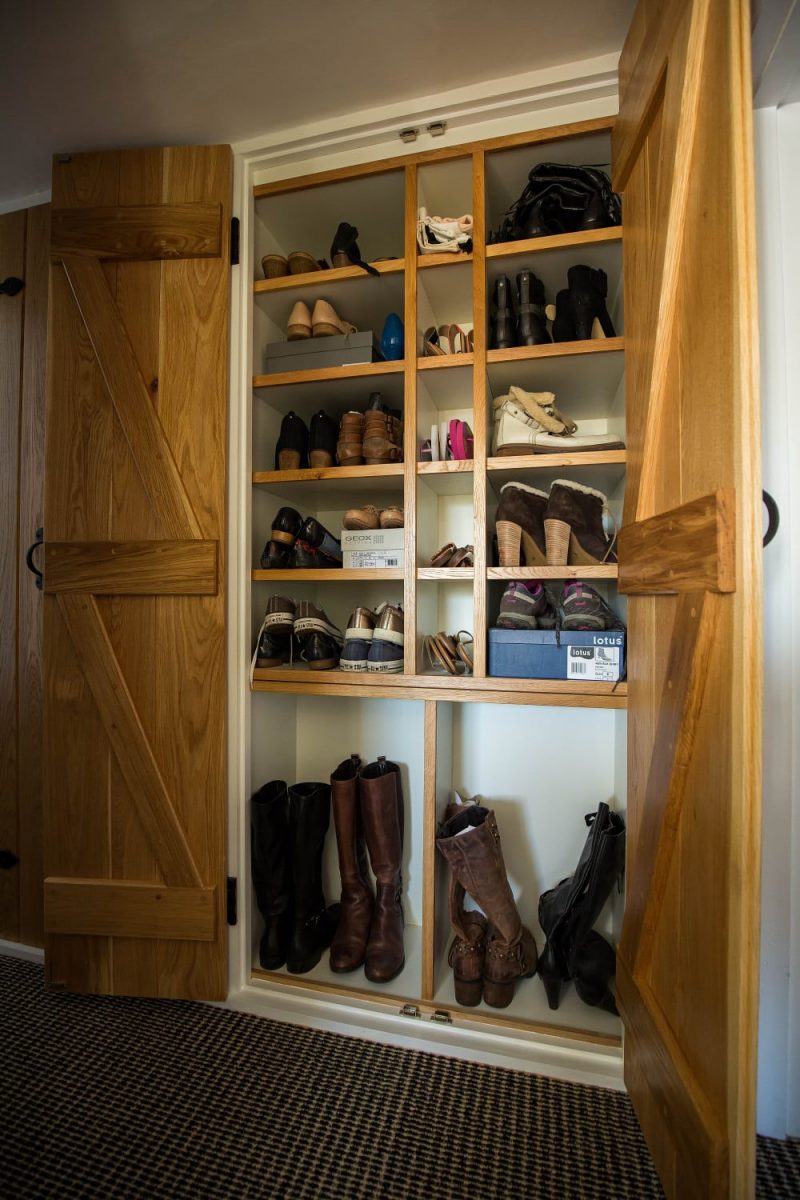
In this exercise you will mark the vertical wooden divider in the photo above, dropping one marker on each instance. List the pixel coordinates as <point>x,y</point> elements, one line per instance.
<point>429,849</point>
<point>480,425</point>
<point>410,423</point>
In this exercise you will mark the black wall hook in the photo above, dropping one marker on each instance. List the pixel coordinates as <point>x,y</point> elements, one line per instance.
<point>774,517</point>
<point>11,286</point>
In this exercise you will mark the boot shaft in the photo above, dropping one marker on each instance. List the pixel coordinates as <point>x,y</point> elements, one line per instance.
<point>476,860</point>
<point>309,817</point>
<point>347,821</point>
<point>269,847</point>
<point>381,802</point>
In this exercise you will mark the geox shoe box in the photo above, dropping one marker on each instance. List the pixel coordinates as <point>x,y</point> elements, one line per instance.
<point>365,548</point>
<point>544,654</point>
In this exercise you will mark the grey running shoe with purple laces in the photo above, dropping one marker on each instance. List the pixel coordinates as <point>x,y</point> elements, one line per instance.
<point>582,608</point>
<point>526,605</point>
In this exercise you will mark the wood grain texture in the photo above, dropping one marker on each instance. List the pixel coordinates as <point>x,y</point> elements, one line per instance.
<point>12,310</point>
<point>138,231</point>
<point>445,362</point>
<point>689,997</point>
<point>687,549</point>
<point>601,572</point>
<point>546,462</point>
<point>410,422</point>
<point>451,466</point>
<point>385,471</point>
<point>132,568</point>
<point>128,739</point>
<point>318,279</point>
<point>430,755</point>
<point>31,517</point>
<point>328,574</point>
<point>130,909</point>
<point>446,259</point>
<point>322,374</point>
<point>131,397</point>
<point>555,350</point>
<point>480,415</point>
<point>560,241</point>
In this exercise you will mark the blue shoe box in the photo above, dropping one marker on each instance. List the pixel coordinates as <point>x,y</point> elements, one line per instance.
<point>543,654</point>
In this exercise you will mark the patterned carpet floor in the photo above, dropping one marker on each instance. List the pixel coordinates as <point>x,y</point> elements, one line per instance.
<point>138,1098</point>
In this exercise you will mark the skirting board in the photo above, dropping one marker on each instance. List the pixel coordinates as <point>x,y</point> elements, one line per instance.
<point>17,950</point>
<point>557,1057</point>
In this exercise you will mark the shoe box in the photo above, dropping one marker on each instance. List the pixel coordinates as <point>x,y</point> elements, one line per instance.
<point>367,548</point>
<point>310,353</point>
<point>548,654</point>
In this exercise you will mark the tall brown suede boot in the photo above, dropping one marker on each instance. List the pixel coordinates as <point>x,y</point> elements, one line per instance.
<point>520,522</point>
<point>476,860</point>
<point>573,526</point>
<point>349,945</point>
<point>381,799</point>
<point>468,948</point>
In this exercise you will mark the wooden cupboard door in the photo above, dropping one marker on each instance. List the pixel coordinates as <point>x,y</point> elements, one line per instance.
<point>690,563</point>
<point>134,625</point>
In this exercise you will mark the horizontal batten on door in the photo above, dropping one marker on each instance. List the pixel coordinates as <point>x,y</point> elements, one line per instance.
<point>111,908</point>
<point>152,568</point>
<point>688,549</point>
<point>139,231</point>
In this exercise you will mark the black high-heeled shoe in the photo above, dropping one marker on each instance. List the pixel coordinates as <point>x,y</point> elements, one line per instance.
<point>345,251</point>
<point>588,289</point>
<point>531,324</point>
<point>503,332</point>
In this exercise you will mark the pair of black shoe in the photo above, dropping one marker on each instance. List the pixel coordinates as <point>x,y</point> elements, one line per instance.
<point>295,542</point>
<point>576,309</point>
<point>298,447</point>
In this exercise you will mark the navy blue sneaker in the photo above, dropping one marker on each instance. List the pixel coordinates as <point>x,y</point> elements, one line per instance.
<point>386,651</point>
<point>358,640</point>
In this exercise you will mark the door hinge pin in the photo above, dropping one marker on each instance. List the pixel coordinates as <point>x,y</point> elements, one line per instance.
<point>410,1010</point>
<point>441,1017</point>
<point>231,905</point>
<point>234,241</point>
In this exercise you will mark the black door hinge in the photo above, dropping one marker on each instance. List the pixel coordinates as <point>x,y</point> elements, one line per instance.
<point>234,241</point>
<point>231,905</point>
<point>8,859</point>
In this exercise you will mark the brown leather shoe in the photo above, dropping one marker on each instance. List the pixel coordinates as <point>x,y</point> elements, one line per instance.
<point>520,525</point>
<point>383,437</point>
<point>349,448</point>
<point>382,813</point>
<point>349,945</point>
<point>366,517</point>
<point>470,841</point>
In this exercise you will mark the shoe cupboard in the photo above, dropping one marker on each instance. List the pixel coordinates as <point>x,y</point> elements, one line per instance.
<point>467,551</point>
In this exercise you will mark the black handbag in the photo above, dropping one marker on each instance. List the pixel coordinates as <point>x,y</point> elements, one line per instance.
<point>560,199</point>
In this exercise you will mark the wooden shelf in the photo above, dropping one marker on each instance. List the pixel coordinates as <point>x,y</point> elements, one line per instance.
<point>550,692</point>
<point>561,241</point>
<point>321,374</point>
<point>546,462</point>
<point>442,260</point>
<point>440,362</point>
<point>555,350</point>
<point>329,474</point>
<point>317,279</point>
<point>450,466</point>
<point>327,575</point>
<point>602,572</point>
<point>444,573</point>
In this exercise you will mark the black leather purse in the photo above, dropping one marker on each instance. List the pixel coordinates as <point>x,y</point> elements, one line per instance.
<point>560,199</point>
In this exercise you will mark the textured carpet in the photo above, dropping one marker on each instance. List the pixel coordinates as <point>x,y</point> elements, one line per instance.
<point>138,1098</point>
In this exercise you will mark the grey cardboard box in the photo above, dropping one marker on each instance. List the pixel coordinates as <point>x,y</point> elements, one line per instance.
<point>372,540</point>
<point>308,355</point>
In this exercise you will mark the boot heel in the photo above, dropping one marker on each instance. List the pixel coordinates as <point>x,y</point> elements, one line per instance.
<point>533,555</point>
<point>509,538</point>
<point>556,535</point>
<point>552,987</point>
<point>468,991</point>
<point>341,260</point>
<point>288,460</point>
<point>498,995</point>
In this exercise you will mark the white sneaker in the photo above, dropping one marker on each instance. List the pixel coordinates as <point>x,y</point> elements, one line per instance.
<point>529,423</point>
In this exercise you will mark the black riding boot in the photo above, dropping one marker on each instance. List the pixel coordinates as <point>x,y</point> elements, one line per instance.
<point>503,332</point>
<point>269,853</point>
<point>531,325</point>
<point>568,911</point>
<point>313,925</point>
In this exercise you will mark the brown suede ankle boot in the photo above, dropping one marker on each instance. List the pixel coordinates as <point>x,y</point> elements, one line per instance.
<point>573,526</point>
<point>520,523</point>
<point>349,945</point>
<point>349,447</point>
<point>381,800</point>
<point>476,860</point>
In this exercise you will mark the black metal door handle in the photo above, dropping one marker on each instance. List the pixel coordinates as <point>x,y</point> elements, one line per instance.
<point>773,515</point>
<point>11,286</point>
<point>30,564</point>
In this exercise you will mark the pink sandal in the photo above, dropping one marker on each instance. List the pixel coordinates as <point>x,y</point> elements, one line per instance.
<point>462,442</point>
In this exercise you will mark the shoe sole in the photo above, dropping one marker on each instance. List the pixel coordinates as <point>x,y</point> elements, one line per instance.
<point>323,664</point>
<point>360,664</point>
<point>386,668</point>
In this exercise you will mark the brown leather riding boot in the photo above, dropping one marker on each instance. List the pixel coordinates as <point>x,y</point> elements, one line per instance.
<point>382,814</point>
<point>520,525</point>
<point>573,526</point>
<point>349,945</point>
<point>383,437</point>
<point>476,860</point>
<point>468,948</point>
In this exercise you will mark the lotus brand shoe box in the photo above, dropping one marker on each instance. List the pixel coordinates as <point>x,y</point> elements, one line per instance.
<point>542,654</point>
<point>309,353</point>
<point>372,548</point>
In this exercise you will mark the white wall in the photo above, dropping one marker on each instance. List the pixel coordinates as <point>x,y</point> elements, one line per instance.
<point>777,133</point>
